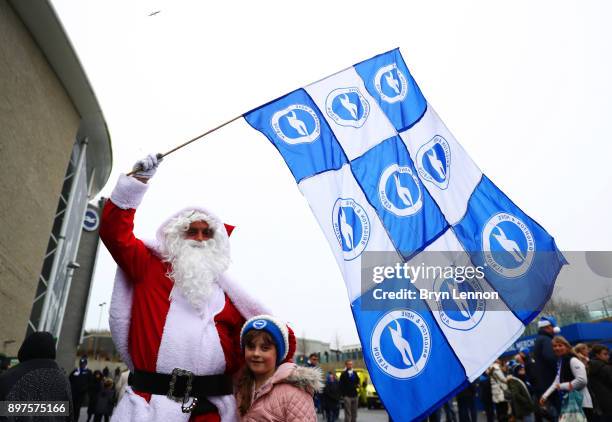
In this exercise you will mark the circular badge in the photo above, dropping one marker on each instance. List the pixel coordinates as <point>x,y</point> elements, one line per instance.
<point>91,220</point>
<point>347,107</point>
<point>508,245</point>
<point>296,124</point>
<point>351,226</point>
<point>391,84</point>
<point>433,161</point>
<point>457,312</point>
<point>399,191</point>
<point>260,323</point>
<point>401,343</point>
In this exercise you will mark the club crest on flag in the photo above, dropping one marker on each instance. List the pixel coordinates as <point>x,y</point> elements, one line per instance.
<point>347,107</point>
<point>401,343</point>
<point>433,161</point>
<point>296,124</point>
<point>399,190</point>
<point>458,313</point>
<point>508,245</point>
<point>351,226</point>
<point>391,84</point>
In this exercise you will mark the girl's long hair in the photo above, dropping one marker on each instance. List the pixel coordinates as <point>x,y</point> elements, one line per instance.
<point>246,380</point>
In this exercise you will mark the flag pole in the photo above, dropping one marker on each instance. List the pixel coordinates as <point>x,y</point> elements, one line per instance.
<point>192,140</point>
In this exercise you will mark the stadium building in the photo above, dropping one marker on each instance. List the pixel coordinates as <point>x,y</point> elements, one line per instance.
<point>56,156</point>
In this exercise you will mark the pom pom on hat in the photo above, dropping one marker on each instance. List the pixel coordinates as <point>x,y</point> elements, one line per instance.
<point>281,334</point>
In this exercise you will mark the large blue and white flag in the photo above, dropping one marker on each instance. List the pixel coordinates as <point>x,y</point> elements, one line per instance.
<point>394,191</point>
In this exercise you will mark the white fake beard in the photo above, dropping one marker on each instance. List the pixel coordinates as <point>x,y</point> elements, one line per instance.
<point>196,266</point>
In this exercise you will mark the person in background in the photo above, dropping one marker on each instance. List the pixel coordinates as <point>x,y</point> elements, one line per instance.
<point>581,351</point>
<point>486,398</point>
<point>466,402</point>
<point>449,412</point>
<point>313,362</point>
<point>105,401</point>
<point>522,403</point>
<point>571,378</point>
<point>525,359</point>
<point>349,382</point>
<point>37,377</point>
<point>80,379</point>
<point>93,389</point>
<point>499,390</point>
<point>330,399</point>
<point>600,382</point>
<point>546,364</point>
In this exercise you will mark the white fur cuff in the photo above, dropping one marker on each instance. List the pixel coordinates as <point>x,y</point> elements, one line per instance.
<point>129,192</point>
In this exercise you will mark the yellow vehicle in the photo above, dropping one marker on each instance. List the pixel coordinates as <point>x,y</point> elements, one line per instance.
<point>366,392</point>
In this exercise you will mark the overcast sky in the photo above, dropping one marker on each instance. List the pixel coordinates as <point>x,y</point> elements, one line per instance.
<point>524,86</point>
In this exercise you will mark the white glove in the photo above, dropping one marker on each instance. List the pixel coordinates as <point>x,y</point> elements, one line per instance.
<point>147,167</point>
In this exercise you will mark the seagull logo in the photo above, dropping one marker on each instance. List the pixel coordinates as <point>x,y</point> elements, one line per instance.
<point>508,245</point>
<point>296,124</point>
<point>433,162</point>
<point>401,343</point>
<point>347,107</point>
<point>391,83</point>
<point>457,312</point>
<point>351,225</point>
<point>399,190</point>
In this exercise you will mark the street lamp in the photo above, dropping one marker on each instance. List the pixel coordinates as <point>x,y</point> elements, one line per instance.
<point>96,339</point>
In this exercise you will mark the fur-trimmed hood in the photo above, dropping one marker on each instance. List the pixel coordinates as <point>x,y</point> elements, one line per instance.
<point>307,379</point>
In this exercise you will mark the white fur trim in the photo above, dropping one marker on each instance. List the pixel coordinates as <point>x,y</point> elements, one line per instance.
<point>120,315</point>
<point>128,192</point>
<point>543,323</point>
<point>191,341</point>
<point>279,324</point>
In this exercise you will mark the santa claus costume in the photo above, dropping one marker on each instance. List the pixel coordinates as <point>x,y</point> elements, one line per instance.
<point>175,317</point>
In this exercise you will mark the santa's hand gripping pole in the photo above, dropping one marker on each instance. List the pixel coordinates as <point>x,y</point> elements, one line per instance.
<point>139,167</point>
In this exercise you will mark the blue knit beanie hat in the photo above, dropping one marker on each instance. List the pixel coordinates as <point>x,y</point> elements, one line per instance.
<point>281,335</point>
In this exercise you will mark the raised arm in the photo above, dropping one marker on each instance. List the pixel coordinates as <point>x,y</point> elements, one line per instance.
<point>117,225</point>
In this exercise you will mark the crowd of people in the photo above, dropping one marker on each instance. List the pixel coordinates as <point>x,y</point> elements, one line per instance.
<point>97,390</point>
<point>553,381</point>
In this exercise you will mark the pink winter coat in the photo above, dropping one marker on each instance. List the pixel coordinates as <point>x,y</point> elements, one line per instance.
<point>286,396</point>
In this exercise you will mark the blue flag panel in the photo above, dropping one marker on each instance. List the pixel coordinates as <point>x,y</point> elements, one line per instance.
<point>520,259</point>
<point>388,80</point>
<point>388,178</point>
<point>409,360</point>
<point>295,126</point>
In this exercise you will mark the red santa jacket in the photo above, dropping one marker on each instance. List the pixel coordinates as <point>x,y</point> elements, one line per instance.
<point>153,325</point>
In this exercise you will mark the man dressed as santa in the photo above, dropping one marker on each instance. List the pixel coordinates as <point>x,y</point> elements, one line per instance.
<point>175,317</point>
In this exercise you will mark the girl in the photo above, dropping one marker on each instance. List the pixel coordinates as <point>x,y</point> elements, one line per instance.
<point>571,382</point>
<point>271,388</point>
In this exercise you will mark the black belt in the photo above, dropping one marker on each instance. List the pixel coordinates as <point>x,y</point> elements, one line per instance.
<point>180,385</point>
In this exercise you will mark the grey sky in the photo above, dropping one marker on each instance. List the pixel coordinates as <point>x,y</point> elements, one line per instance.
<point>523,85</point>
